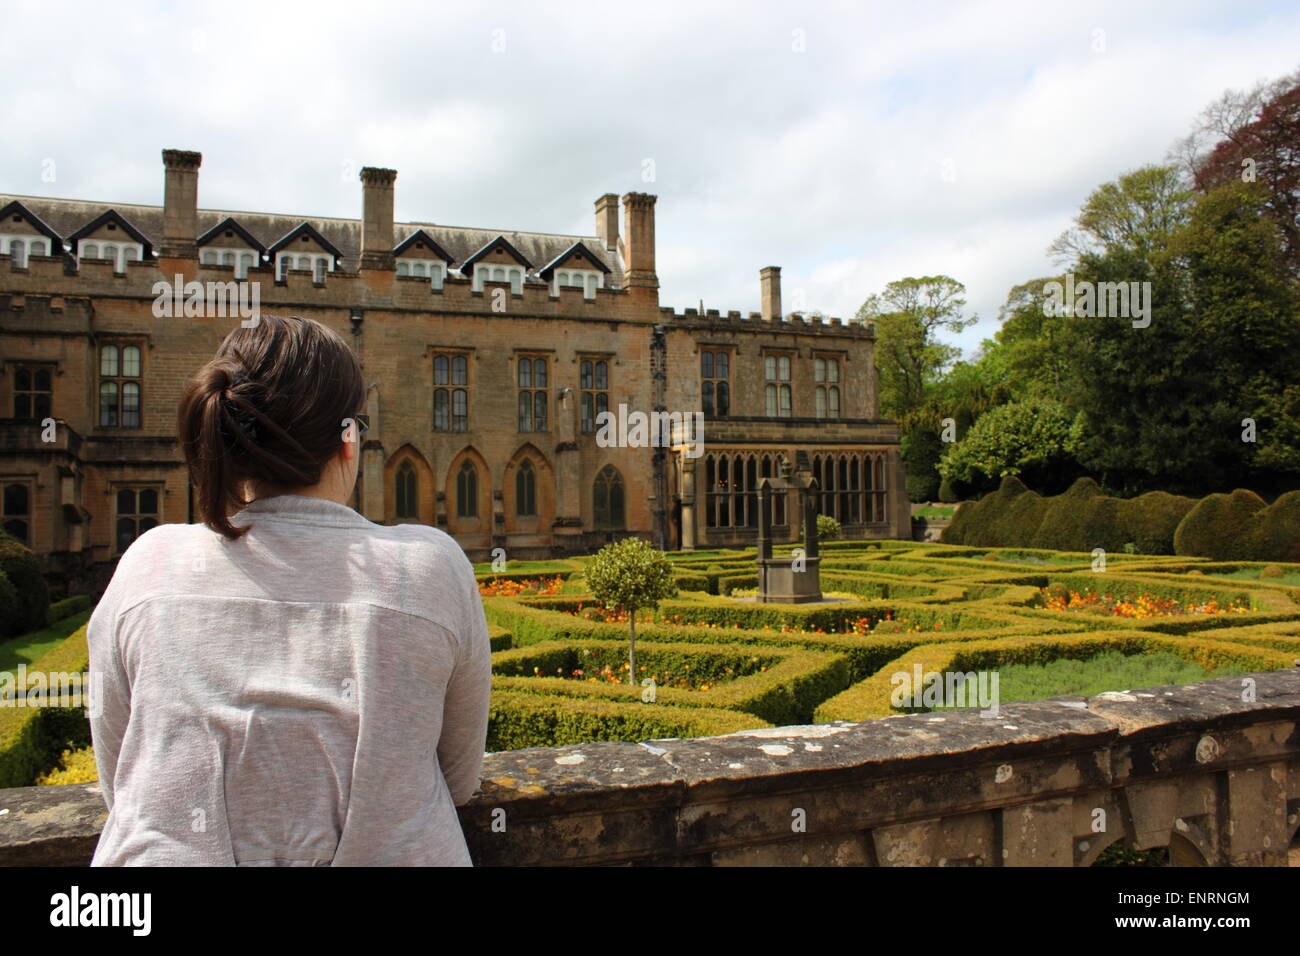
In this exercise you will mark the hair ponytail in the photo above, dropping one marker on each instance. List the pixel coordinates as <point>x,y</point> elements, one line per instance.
<point>268,409</point>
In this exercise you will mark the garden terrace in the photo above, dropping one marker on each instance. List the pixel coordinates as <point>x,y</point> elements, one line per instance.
<point>756,668</point>
<point>1196,770</point>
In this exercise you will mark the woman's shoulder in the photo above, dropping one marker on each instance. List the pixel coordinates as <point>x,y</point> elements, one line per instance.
<point>430,549</point>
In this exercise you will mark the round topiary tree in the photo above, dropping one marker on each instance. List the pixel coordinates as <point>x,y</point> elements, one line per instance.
<point>32,593</point>
<point>828,528</point>
<point>627,576</point>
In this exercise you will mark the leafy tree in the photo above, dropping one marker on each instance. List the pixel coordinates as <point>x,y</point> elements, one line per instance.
<point>1035,439</point>
<point>630,575</point>
<point>1266,151</point>
<point>1030,353</point>
<point>908,317</point>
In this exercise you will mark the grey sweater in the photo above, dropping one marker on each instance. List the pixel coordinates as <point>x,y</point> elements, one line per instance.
<point>313,694</point>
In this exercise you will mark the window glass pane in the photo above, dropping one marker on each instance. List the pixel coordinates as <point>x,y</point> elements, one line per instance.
<point>459,370</point>
<point>785,400</point>
<point>23,379</point>
<point>819,370</point>
<point>131,361</point>
<point>440,410</point>
<point>602,375</point>
<point>835,402</point>
<point>784,364</point>
<point>821,401</point>
<point>588,413</point>
<point>22,406</point>
<point>769,367</point>
<point>769,400</point>
<point>126,502</point>
<point>18,529</point>
<point>108,405</point>
<point>525,412</point>
<point>722,365</point>
<point>706,364</point>
<point>125,533</point>
<point>149,501</point>
<point>42,380</point>
<point>584,375</point>
<point>539,411</point>
<point>724,398</point>
<point>459,410</point>
<point>832,371</point>
<point>131,405</point>
<point>602,402</point>
<point>707,394</point>
<point>15,500</point>
<point>525,373</point>
<point>108,360</point>
<point>440,370</point>
<point>539,372</point>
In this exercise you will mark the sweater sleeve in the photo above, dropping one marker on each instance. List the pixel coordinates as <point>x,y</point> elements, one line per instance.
<point>465,707</point>
<point>109,704</point>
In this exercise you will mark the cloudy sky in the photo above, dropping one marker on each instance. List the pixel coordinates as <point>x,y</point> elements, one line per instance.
<point>849,143</point>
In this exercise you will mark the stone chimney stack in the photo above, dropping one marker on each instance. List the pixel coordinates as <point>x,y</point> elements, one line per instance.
<point>639,240</point>
<point>377,218</point>
<point>770,281</point>
<point>607,220</point>
<point>180,204</point>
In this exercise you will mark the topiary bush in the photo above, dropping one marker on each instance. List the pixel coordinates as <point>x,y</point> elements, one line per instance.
<point>1213,528</point>
<point>828,528</point>
<point>32,593</point>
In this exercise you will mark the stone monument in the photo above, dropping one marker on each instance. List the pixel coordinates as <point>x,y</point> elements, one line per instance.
<point>796,579</point>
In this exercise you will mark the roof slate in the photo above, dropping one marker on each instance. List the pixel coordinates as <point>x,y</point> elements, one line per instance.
<point>67,216</point>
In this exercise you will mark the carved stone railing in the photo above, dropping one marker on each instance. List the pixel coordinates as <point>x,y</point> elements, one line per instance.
<point>1209,770</point>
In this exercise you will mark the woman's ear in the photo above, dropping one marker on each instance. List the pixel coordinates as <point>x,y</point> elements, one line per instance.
<point>349,450</point>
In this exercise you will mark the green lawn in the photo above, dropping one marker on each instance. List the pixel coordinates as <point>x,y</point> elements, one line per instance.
<point>1252,574</point>
<point>1111,671</point>
<point>31,647</point>
<point>935,511</point>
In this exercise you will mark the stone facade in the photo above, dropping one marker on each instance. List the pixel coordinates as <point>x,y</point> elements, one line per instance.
<point>453,310</point>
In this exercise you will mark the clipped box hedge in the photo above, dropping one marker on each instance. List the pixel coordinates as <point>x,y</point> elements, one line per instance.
<point>870,699</point>
<point>33,738</point>
<point>518,720</point>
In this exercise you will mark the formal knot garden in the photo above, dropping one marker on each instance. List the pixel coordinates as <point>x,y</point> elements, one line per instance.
<point>711,660</point>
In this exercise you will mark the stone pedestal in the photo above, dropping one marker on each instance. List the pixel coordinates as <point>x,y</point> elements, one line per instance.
<point>780,583</point>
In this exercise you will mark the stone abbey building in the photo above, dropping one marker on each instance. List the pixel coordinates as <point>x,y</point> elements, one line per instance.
<point>489,356</point>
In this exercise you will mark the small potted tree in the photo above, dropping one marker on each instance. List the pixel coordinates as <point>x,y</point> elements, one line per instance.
<point>630,575</point>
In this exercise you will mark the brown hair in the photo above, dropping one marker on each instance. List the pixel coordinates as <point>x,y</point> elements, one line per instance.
<point>269,409</point>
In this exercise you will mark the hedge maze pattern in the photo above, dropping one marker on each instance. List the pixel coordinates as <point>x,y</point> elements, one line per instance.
<point>944,608</point>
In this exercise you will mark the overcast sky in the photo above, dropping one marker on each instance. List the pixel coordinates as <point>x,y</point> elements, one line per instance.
<point>849,143</point>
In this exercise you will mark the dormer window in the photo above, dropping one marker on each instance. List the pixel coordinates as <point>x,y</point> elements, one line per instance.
<point>304,249</point>
<point>499,273</point>
<point>240,259</point>
<point>230,244</point>
<point>435,270</point>
<point>20,247</point>
<point>315,263</point>
<point>588,280</point>
<point>119,253</point>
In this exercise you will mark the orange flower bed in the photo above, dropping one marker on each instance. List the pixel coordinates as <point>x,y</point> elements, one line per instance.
<point>506,587</point>
<point>1142,606</point>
